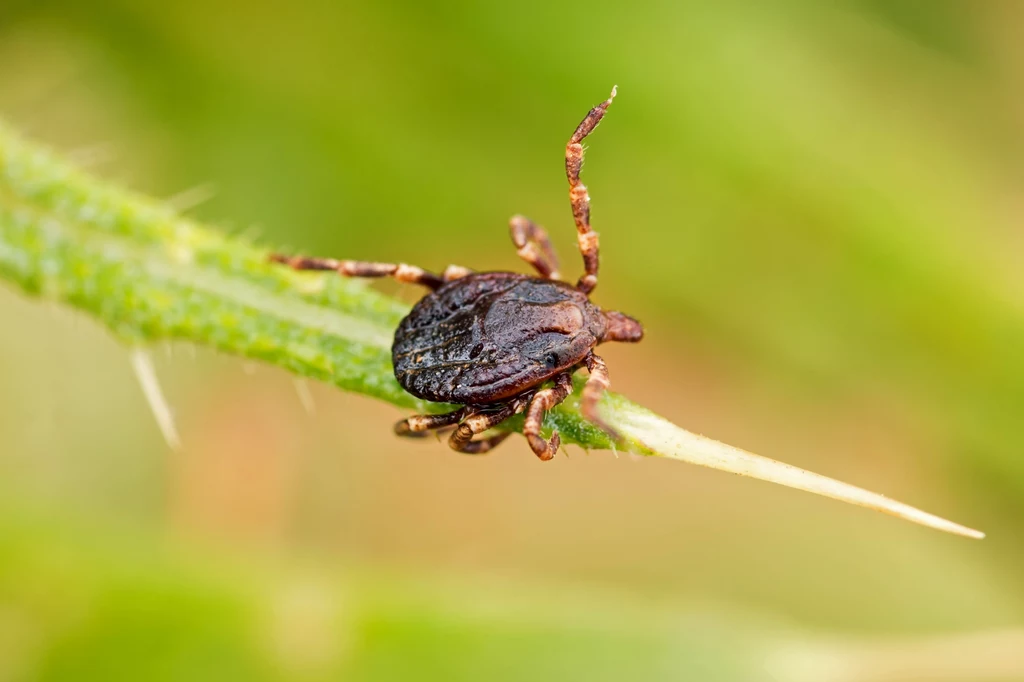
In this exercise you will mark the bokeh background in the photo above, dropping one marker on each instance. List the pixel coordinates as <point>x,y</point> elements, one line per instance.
<point>815,209</point>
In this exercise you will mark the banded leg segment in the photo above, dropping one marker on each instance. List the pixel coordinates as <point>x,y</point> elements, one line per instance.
<point>580,199</point>
<point>418,425</point>
<point>356,268</point>
<point>478,422</point>
<point>534,246</point>
<point>596,385</point>
<point>542,402</point>
<point>454,272</point>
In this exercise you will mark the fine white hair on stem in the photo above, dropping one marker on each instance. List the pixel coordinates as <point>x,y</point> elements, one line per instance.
<point>662,438</point>
<point>142,363</point>
<point>187,199</point>
<point>305,396</point>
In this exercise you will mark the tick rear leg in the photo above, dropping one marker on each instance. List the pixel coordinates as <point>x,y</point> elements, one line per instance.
<point>534,246</point>
<point>543,401</point>
<point>479,447</point>
<point>418,425</point>
<point>356,268</point>
<point>595,387</point>
<point>478,422</point>
<point>580,199</point>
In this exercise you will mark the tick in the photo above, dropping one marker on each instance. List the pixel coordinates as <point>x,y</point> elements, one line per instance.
<point>501,343</point>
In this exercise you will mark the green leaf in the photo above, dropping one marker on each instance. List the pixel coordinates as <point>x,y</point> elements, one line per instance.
<point>149,274</point>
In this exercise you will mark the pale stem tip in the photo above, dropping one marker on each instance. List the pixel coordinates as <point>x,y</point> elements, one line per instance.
<point>663,438</point>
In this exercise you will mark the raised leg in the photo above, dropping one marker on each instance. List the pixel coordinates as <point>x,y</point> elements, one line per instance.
<point>356,268</point>
<point>534,246</point>
<point>579,198</point>
<point>478,422</point>
<point>542,402</point>
<point>595,387</point>
<point>418,425</point>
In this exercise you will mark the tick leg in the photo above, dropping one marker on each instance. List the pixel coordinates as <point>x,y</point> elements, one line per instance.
<point>418,425</point>
<point>478,422</point>
<point>542,402</point>
<point>479,447</point>
<point>357,268</point>
<point>579,198</point>
<point>534,246</point>
<point>454,272</point>
<point>595,387</point>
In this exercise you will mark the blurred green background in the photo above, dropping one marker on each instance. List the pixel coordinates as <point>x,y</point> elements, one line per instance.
<point>816,211</point>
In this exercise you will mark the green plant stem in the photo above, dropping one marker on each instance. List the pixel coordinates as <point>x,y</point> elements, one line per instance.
<point>149,274</point>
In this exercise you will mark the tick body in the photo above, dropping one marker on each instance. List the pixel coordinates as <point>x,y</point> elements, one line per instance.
<point>502,343</point>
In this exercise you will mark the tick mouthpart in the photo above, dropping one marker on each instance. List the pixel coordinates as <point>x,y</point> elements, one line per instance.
<point>621,327</point>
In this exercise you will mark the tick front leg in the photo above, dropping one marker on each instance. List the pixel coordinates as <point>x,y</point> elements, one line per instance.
<point>580,199</point>
<point>478,422</point>
<point>418,425</point>
<point>595,387</point>
<point>356,268</point>
<point>542,402</point>
<point>534,246</point>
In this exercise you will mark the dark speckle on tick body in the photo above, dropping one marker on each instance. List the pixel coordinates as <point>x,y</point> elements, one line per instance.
<point>485,337</point>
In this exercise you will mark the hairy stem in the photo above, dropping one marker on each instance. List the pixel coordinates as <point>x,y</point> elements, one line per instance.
<point>148,274</point>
